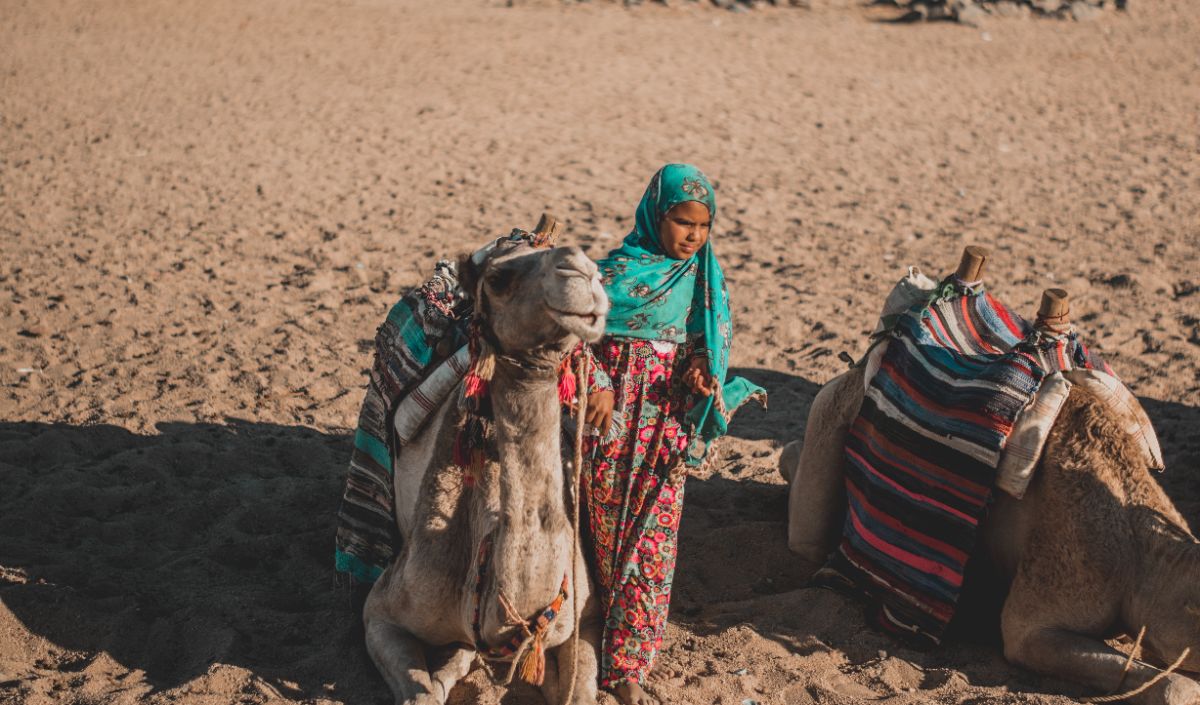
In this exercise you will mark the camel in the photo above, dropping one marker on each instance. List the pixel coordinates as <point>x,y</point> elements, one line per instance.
<point>533,306</point>
<point>1095,548</point>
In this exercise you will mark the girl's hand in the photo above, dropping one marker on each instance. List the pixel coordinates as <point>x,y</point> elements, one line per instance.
<point>600,410</point>
<point>698,379</point>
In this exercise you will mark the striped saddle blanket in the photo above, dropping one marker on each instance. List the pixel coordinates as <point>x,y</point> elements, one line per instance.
<point>408,380</point>
<point>420,358</point>
<point>923,453</point>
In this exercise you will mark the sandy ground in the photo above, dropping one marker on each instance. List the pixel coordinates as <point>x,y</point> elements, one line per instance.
<point>206,208</point>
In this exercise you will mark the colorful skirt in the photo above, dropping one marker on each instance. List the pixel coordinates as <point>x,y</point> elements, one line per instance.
<point>634,491</point>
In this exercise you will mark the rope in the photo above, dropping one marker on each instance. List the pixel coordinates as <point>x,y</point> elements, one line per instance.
<point>580,416</point>
<point>1133,654</point>
<point>1145,686</point>
<point>1059,324</point>
<point>515,620</point>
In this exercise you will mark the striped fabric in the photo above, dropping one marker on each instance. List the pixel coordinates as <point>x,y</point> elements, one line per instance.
<point>924,450</point>
<point>367,537</point>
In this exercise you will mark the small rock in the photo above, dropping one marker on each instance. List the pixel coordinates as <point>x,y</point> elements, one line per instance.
<point>1083,12</point>
<point>1010,9</point>
<point>1120,281</point>
<point>940,11</point>
<point>970,14</point>
<point>1184,288</point>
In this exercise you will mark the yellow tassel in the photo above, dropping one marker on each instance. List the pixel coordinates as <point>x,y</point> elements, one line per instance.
<point>533,668</point>
<point>485,364</point>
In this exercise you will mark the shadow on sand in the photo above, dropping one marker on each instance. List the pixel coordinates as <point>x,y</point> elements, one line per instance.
<point>211,542</point>
<point>735,568</point>
<point>789,398</point>
<point>170,552</point>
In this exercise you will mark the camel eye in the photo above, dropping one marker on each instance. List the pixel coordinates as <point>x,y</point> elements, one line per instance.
<point>501,279</point>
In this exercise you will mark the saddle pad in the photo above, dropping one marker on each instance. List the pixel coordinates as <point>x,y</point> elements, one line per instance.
<point>367,536</point>
<point>923,453</point>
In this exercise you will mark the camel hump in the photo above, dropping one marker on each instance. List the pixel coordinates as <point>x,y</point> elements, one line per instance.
<point>1125,408</point>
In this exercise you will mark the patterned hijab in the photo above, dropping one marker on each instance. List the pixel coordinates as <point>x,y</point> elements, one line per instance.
<point>656,297</point>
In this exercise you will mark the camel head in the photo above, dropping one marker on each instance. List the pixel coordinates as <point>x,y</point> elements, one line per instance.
<point>535,303</point>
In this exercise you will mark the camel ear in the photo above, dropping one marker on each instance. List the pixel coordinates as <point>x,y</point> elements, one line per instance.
<point>468,273</point>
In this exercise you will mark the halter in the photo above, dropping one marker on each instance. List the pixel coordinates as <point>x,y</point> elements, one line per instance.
<point>525,650</point>
<point>530,634</point>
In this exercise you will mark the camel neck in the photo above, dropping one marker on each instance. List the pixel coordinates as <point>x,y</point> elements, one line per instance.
<point>529,447</point>
<point>1168,561</point>
<point>531,543</point>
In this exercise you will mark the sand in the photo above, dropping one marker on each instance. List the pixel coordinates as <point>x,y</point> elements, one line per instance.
<point>207,207</point>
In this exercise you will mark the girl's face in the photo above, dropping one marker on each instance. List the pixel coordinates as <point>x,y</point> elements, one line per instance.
<point>684,229</point>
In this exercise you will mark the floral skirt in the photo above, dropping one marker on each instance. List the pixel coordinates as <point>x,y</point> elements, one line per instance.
<point>634,489</point>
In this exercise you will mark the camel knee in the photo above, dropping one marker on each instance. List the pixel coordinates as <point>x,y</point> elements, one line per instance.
<point>1031,646</point>
<point>1020,646</point>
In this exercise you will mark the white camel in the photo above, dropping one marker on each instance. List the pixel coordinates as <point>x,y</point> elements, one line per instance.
<point>476,558</point>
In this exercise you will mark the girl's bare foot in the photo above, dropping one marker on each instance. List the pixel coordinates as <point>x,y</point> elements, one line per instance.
<point>632,694</point>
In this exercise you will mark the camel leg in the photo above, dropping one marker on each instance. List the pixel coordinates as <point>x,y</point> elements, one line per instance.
<point>1093,663</point>
<point>1047,626</point>
<point>587,677</point>
<point>457,664</point>
<point>817,497</point>
<point>400,658</point>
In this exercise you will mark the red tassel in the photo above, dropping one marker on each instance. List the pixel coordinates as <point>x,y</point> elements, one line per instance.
<point>462,449</point>
<point>567,387</point>
<point>476,386</point>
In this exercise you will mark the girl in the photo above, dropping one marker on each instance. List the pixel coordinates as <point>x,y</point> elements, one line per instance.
<point>666,350</point>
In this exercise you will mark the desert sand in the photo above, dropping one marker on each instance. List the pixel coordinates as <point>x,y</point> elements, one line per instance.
<point>207,207</point>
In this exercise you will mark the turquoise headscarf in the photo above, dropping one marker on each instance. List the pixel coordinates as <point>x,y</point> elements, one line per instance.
<point>656,297</point>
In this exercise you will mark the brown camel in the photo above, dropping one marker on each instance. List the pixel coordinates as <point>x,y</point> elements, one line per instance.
<point>1094,548</point>
<point>534,306</point>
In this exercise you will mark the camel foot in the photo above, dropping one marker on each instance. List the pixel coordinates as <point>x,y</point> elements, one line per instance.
<point>633,694</point>
<point>1180,690</point>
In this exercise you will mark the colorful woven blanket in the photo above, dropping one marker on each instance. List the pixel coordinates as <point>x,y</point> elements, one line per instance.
<point>923,453</point>
<point>420,357</point>
<point>367,537</point>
